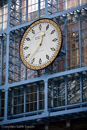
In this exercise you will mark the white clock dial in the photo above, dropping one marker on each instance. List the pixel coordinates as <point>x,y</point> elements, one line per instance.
<point>40,44</point>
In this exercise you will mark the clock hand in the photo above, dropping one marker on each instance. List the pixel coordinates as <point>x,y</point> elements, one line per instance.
<point>39,44</point>
<point>42,34</point>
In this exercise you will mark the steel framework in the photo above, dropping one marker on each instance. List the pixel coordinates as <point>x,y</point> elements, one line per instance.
<point>60,90</point>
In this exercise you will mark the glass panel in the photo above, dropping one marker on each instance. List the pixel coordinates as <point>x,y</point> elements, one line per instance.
<point>23,10</point>
<point>84,86</point>
<point>15,100</point>
<point>73,44</point>
<point>55,6</point>
<point>83,1</point>
<point>61,5</point>
<point>3,14</point>
<point>32,9</point>
<point>73,88</point>
<point>56,92</point>
<point>2,100</point>
<point>41,95</point>
<point>42,8</point>
<point>71,4</point>
<point>32,91</point>
<point>84,40</point>
<point>0,18</point>
<point>2,59</point>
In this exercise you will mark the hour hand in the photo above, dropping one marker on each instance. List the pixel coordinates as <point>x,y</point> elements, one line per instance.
<point>42,34</point>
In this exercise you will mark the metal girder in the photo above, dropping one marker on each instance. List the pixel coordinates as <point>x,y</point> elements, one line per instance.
<point>45,76</point>
<point>67,107</point>
<point>48,76</point>
<point>26,114</point>
<point>46,16</point>
<point>45,115</point>
<point>76,110</point>
<point>67,11</point>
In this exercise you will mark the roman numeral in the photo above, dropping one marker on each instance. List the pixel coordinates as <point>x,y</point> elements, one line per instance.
<point>47,57</point>
<point>40,27</point>
<point>47,26</point>
<point>28,39</point>
<point>53,49</point>
<point>52,31</point>
<point>32,60</point>
<point>55,39</point>
<point>26,48</point>
<point>33,31</point>
<point>27,55</point>
<point>40,61</point>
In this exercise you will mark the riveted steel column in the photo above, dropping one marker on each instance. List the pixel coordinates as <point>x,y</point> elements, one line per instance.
<point>65,6</point>
<point>6,104</point>
<point>8,21</point>
<point>7,58</point>
<point>80,87</point>
<point>65,32</point>
<point>24,99</point>
<point>79,2</point>
<point>57,5</point>
<point>66,95</point>
<point>2,15</point>
<point>26,10</point>
<point>20,8</point>
<point>37,97</point>
<point>12,102</point>
<point>1,63</point>
<point>7,45</point>
<point>7,74</point>
<point>46,96</point>
<point>38,8</point>
<point>80,41</point>
<point>19,68</point>
<point>0,103</point>
<point>46,8</point>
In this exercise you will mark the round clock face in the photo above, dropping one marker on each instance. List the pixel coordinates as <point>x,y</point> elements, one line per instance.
<point>40,44</point>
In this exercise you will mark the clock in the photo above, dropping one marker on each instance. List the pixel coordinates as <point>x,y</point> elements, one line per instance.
<point>40,44</point>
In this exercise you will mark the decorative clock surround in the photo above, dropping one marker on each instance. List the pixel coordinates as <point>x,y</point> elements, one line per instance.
<point>40,44</point>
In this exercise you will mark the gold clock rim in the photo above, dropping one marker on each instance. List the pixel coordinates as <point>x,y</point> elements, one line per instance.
<point>58,48</point>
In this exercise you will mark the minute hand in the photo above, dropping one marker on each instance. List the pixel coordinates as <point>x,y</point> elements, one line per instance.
<point>36,48</point>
